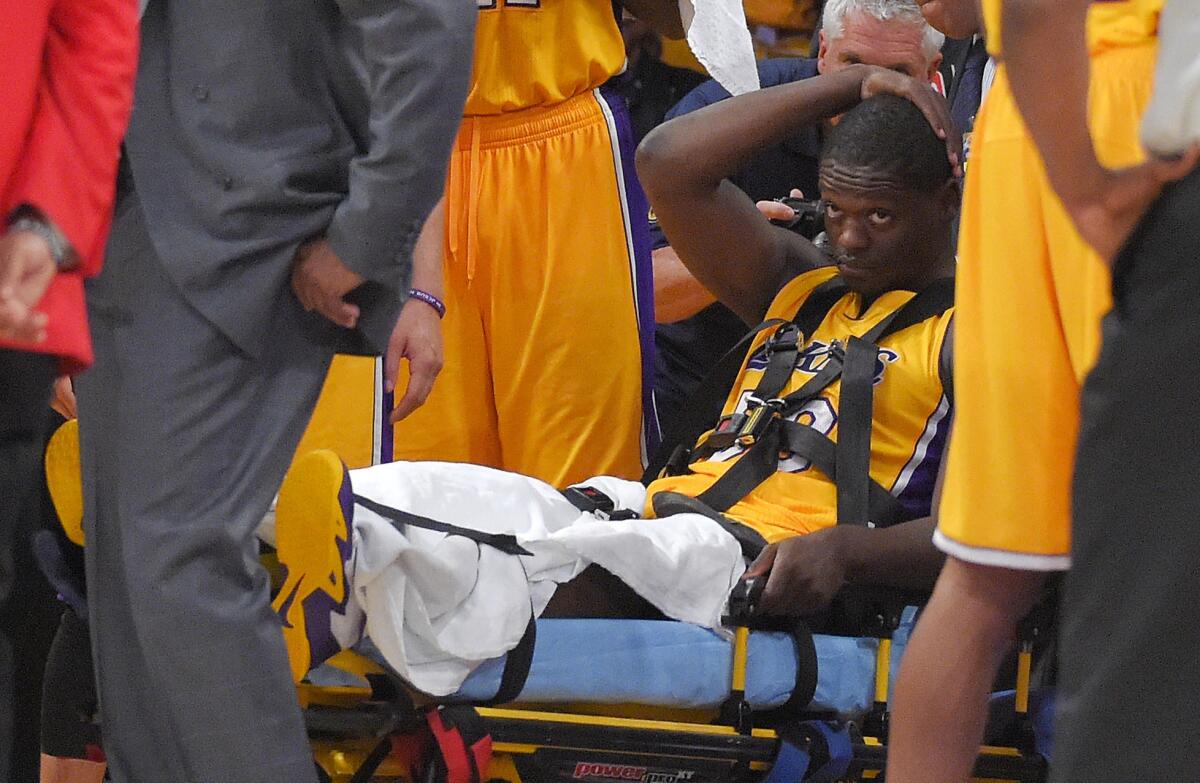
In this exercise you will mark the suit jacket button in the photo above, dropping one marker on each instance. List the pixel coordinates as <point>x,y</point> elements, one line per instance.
<point>227,183</point>
<point>201,93</point>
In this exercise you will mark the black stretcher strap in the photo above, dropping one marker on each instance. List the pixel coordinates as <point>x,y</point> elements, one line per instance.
<point>705,403</point>
<point>761,460</point>
<point>749,539</point>
<point>516,667</point>
<point>751,469</point>
<point>784,346</point>
<point>505,542</point>
<point>883,507</point>
<point>853,451</point>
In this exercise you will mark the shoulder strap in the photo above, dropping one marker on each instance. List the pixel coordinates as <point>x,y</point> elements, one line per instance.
<point>855,422</point>
<point>856,406</point>
<point>933,300</point>
<point>865,499</point>
<point>816,306</point>
<point>704,405</point>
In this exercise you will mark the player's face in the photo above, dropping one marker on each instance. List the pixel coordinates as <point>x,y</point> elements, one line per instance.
<point>883,237</point>
<point>893,44</point>
<point>955,18</point>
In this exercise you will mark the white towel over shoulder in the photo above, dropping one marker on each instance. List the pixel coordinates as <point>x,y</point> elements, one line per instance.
<point>438,605</point>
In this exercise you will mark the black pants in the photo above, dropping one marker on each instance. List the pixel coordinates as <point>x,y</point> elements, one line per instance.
<point>1131,611</point>
<point>25,384</point>
<point>69,720</point>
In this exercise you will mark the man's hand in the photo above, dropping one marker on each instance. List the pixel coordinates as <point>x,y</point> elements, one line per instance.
<point>775,210</point>
<point>886,81</point>
<point>418,338</point>
<point>26,269</point>
<point>806,572</point>
<point>63,400</point>
<point>321,280</point>
<point>1107,212</point>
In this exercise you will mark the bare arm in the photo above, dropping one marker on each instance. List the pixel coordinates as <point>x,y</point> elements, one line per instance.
<point>677,292</point>
<point>807,571</point>
<point>939,707</point>
<point>714,227</point>
<point>661,15</point>
<point>417,335</point>
<point>1046,54</point>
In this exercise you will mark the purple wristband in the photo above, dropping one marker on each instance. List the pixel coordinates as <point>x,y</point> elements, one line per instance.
<point>429,299</point>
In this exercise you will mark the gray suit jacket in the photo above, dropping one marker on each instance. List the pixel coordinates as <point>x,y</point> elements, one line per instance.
<point>259,124</point>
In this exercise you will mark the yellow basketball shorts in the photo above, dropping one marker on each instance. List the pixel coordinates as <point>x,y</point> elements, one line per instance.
<point>549,322</point>
<point>351,416</point>
<point>1030,295</point>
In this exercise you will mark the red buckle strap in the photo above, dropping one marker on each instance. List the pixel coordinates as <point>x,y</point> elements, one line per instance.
<point>465,749</point>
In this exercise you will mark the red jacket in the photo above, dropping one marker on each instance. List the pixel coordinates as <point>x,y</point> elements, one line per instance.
<point>66,86</point>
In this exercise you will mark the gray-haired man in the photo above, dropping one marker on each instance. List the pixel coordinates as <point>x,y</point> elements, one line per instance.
<point>279,152</point>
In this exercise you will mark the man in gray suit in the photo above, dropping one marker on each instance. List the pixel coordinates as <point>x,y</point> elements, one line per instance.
<point>281,159</point>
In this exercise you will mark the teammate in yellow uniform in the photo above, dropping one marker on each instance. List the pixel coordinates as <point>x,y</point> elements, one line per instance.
<point>1030,295</point>
<point>549,323</point>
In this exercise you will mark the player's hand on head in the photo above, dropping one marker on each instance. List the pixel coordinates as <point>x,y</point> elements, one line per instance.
<point>321,281</point>
<point>416,337</point>
<point>884,81</point>
<point>26,269</point>
<point>1107,212</point>
<point>805,573</point>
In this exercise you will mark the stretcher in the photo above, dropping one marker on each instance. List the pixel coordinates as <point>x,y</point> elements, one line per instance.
<point>597,701</point>
<point>603,701</point>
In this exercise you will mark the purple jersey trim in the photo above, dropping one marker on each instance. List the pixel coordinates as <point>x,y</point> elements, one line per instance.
<point>917,496</point>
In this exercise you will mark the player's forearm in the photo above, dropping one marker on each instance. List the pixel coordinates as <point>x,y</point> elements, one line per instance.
<point>939,710</point>
<point>677,292</point>
<point>700,149</point>
<point>427,274</point>
<point>661,15</point>
<point>901,556</point>
<point>1045,52</point>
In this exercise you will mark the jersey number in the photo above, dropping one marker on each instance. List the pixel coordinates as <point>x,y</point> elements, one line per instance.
<point>487,5</point>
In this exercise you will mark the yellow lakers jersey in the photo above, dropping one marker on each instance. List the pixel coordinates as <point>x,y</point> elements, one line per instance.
<point>541,52</point>
<point>911,416</point>
<point>1110,23</point>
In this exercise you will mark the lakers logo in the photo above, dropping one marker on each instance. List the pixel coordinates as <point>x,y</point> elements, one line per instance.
<point>815,356</point>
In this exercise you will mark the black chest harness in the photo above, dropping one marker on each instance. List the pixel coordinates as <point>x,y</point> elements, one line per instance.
<point>765,428</point>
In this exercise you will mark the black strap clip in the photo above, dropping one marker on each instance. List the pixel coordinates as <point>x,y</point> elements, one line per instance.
<point>785,338</point>
<point>760,414</point>
<point>725,434</point>
<point>592,500</point>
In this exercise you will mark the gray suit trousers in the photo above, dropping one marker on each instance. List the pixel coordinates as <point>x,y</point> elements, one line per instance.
<point>185,441</point>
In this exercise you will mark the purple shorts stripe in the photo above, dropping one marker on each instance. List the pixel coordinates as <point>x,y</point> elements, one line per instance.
<point>387,443</point>
<point>637,211</point>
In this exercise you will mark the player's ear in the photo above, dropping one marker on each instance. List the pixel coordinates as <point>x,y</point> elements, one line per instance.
<point>949,199</point>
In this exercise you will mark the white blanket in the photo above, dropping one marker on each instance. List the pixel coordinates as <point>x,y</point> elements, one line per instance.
<point>437,606</point>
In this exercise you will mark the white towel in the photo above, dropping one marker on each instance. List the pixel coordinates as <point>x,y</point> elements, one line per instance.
<point>717,34</point>
<point>1172,120</point>
<point>437,606</point>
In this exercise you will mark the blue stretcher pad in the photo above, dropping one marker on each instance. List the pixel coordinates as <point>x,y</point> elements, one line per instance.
<point>671,664</point>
